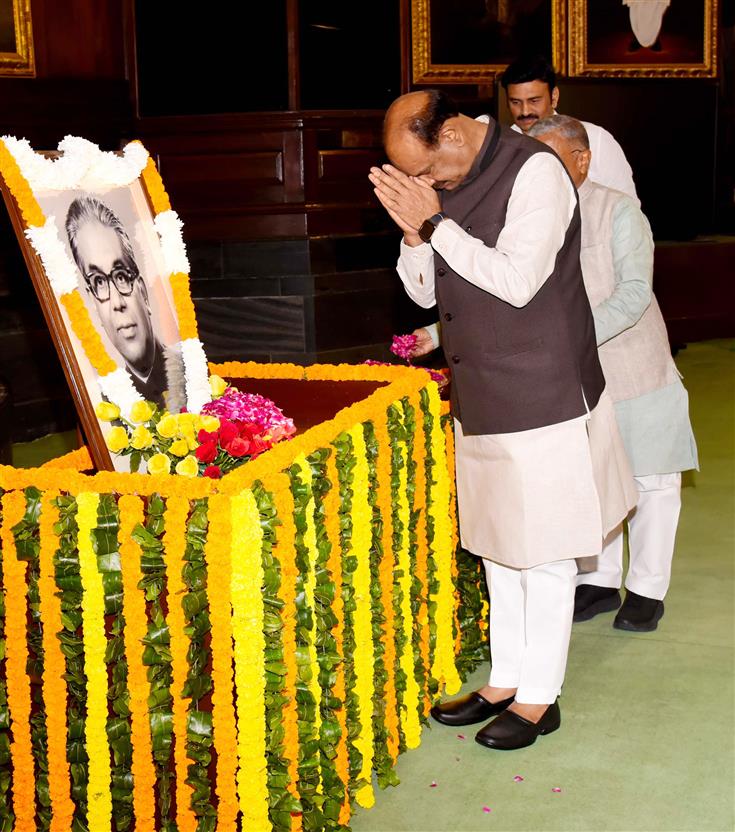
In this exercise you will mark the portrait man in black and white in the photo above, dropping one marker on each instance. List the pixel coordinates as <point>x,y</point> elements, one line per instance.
<point>104,255</point>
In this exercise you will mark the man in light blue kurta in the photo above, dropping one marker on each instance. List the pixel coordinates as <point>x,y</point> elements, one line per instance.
<point>651,403</point>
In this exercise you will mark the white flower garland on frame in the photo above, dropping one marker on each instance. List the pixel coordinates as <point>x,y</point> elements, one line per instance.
<point>196,371</point>
<point>59,267</point>
<point>168,225</point>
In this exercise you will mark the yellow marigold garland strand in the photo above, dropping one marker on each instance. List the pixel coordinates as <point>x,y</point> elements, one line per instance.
<point>78,460</point>
<point>444,668</point>
<point>154,187</point>
<point>309,592</point>
<point>136,629</point>
<point>16,656</point>
<point>422,550</point>
<point>87,334</point>
<point>386,577</point>
<point>334,565</point>
<point>284,552</point>
<point>364,651</point>
<point>247,628</point>
<point>99,800</point>
<point>184,305</point>
<point>54,668</point>
<point>411,696</point>
<point>217,553</point>
<point>20,189</point>
<point>174,545</point>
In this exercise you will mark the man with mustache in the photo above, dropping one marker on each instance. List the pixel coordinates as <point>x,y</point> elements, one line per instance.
<point>492,235</point>
<point>104,255</point>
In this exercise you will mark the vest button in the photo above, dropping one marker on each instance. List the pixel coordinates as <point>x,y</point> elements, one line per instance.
<point>441,272</point>
<point>448,316</point>
<point>468,229</point>
<point>455,359</point>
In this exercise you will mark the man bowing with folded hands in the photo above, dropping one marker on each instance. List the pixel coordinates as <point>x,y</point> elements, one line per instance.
<point>492,235</point>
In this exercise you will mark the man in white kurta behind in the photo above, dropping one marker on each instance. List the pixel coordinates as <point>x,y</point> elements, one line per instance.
<point>492,235</point>
<point>651,403</point>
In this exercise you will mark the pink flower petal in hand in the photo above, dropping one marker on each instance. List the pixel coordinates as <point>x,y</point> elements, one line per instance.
<point>556,789</point>
<point>518,778</point>
<point>486,810</point>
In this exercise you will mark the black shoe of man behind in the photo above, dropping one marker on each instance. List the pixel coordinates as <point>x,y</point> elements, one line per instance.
<point>590,600</point>
<point>639,614</point>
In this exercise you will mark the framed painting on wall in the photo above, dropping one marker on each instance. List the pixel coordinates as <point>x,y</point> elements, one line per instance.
<point>16,38</point>
<point>472,41</point>
<point>643,38</point>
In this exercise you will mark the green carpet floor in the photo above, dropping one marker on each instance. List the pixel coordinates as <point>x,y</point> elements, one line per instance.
<point>648,720</point>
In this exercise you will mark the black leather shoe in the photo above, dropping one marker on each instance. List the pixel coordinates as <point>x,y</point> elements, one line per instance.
<point>590,600</point>
<point>639,614</point>
<point>467,710</point>
<point>510,731</point>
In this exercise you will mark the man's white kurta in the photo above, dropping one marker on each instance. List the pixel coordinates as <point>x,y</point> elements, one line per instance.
<point>554,492</point>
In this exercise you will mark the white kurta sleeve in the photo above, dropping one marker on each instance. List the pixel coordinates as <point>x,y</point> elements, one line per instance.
<point>632,249</point>
<point>416,270</point>
<point>609,167</point>
<point>540,208</point>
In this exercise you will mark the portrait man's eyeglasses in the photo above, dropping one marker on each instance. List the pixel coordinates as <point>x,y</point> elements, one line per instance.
<point>99,282</point>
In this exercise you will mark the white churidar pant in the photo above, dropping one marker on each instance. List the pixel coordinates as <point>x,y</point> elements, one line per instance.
<point>646,17</point>
<point>651,537</point>
<point>530,625</point>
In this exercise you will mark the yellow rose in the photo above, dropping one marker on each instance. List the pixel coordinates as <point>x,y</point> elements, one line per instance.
<point>167,427</point>
<point>141,438</point>
<point>159,464</point>
<point>141,411</point>
<point>117,440</point>
<point>217,386</point>
<point>191,441</point>
<point>107,411</point>
<point>209,423</point>
<point>188,467</point>
<point>179,448</point>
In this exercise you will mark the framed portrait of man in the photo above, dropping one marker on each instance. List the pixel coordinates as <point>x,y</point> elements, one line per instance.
<point>643,38</point>
<point>16,38</point>
<point>99,243</point>
<point>472,41</point>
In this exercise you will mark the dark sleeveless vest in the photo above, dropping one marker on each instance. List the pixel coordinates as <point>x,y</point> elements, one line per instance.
<point>514,369</point>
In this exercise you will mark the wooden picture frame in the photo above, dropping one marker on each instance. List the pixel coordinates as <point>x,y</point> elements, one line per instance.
<point>472,41</point>
<point>16,39</point>
<point>643,38</point>
<point>101,237</point>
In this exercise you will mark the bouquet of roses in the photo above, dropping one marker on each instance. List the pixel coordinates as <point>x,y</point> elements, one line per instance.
<point>231,429</point>
<point>403,346</point>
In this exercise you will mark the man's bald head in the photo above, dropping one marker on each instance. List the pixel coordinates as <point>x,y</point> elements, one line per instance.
<point>568,138</point>
<point>425,135</point>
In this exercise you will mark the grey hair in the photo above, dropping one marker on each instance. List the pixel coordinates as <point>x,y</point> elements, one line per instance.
<point>566,126</point>
<point>86,209</point>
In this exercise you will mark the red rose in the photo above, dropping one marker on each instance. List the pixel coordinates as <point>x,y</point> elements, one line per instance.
<point>227,432</point>
<point>258,445</point>
<point>212,471</point>
<point>206,452</point>
<point>207,436</point>
<point>238,447</point>
<point>249,429</point>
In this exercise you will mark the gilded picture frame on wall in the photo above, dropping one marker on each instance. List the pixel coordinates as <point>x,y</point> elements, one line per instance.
<point>472,41</point>
<point>643,38</point>
<point>16,38</point>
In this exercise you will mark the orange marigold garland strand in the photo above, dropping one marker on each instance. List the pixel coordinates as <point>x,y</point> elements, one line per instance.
<point>20,189</point>
<point>16,655</point>
<point>154,187</point>
<point>87,334</point>
<point>284,552</point>
<point>174,545</point>
<point>136,629</point>
<point>217,553</point>
<point>185,312</point>
<point>334,565</point>
<point>54,667</point>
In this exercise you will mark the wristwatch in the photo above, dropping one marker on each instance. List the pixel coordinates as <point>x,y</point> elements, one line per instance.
<point>429,226</point>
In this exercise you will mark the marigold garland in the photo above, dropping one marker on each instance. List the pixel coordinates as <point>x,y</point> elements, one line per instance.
<point>247,629</point>
<point>386,577</point>
<point>334,565</point>
<point>217,552</point>
<point>174,546</point>
<point>136,629</point>
<point>444,668</point>
<point>78,460</point>
<point>284,552</point>
<point>309,539</point>
<point>87,334</point>
<point>54,667</point>
<point>184,306</point>
<point>364,651</point>
<point>20,189</point>
<point>99,810</point>
<point>154,188</point>
<point>411,696</point>
<point>16,655</point>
